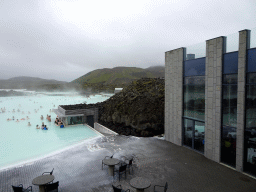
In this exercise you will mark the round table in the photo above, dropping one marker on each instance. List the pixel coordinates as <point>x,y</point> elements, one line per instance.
<point>42,180</point>
<point>140,183</point>
<point>111,164</point>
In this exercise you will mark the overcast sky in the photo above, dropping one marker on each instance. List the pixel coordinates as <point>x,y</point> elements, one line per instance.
<point>65,39</point>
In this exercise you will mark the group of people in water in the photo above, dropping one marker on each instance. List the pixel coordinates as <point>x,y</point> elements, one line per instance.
<point>17,119</point>
<point>43,127</point>
<point>58,122</point>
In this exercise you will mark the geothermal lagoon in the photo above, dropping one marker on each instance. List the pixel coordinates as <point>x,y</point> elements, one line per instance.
<point>20,143</point>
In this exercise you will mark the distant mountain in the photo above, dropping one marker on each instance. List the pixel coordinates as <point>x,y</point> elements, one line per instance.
<point>24,82</point>
<point>119,75</point>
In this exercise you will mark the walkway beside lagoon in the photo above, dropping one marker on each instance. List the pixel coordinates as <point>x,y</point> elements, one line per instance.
<point>79,169</point>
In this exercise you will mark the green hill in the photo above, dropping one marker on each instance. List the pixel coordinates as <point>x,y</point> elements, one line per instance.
<point>119,75</point>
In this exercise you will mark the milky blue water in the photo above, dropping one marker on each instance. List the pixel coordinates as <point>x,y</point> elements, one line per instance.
<point>20,142</point>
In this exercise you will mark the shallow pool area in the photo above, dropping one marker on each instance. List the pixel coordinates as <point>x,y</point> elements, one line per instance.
<point>20,142</point>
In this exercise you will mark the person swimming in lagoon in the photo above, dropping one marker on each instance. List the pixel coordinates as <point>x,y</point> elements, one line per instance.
<point>27,117</point>
<point>29,124</point>
<point>17,120</point>
<point>37,126</point>
<point>49,118</point>
<point>42,117</point>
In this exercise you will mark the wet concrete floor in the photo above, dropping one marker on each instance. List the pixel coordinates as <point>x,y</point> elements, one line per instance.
<point>80,168</point>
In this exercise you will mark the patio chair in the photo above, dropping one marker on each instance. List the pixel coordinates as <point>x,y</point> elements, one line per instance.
<point>165,187</point>
<point>49,172</point>
<point>128,162</point>
<point>20,188</point>
<point>116,189</point>
<point>107,157</point>
<point>53,187</point>
<point>121,170</point>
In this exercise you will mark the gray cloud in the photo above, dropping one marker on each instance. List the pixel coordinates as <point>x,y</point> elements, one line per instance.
<point>64,39</point>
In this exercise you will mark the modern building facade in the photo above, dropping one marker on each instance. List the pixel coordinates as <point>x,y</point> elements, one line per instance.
<point>210,102</point>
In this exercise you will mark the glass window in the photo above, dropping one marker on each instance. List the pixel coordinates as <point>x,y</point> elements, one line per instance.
<point>188,132</point>
<point>194,67</point>
<point>194,97</point>
<point>229,119</point>
<point>250,126</point>
<point>228,145</point>
<point>199,136</point>
<point>251,79</point>
<point>251,60</point>
<point>230,63</point>
<point>75,120</point>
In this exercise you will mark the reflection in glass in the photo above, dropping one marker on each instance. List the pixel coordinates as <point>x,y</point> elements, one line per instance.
<point>250,129</point>
<point>188,132</point>
<point>194,97</point>
<point>230,63</point>
<point>194,67</point>
<point>251,60</point>
<point>229,119</point>
<point>199,136</point>
<point>75,120</point>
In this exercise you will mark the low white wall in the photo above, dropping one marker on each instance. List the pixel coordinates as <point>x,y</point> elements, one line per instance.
<point>103,129</point>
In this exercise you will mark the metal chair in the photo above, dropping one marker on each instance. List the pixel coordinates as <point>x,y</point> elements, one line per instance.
<point>107,157</point>
<point>121,170</point>
<point>53,187</point>
<point>116,189</point>
<point>49,172</point>
<point>165,187</point>
<point>20,188</point>
<point>129,164</point>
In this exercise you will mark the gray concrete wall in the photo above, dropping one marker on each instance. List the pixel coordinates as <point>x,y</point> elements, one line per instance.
<point>244,44</point>
<point>174,95</point>
<point>102,129</point>
<point>213,86</point>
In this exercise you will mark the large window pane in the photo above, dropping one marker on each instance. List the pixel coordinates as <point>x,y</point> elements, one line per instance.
<point>194,97</point>
<point>188,132</point>
<point>229,119</point>
<point>250,129</point>
<point>194,67</point>
<point>228,145</point>
<point>251,60</point>
<point>230,63</point>
<point>199,136</point>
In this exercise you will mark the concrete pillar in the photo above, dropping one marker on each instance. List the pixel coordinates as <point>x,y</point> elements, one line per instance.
<point>174,95</point>
<point>213,91</point>
<point>244,44</point>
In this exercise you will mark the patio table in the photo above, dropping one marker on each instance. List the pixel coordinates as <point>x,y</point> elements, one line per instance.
<point>140,183</point>
<point>42,180</point>
<point>111,164</point>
